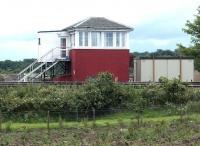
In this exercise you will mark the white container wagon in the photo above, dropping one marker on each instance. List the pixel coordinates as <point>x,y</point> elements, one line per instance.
<point>151,69</point>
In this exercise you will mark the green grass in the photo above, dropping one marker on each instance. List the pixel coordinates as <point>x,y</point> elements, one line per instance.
<point>112,119</point>
<point>158,127</point>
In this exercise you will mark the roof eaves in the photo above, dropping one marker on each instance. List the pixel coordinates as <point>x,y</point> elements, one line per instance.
<point>167,57</point>
<point>49,31</point>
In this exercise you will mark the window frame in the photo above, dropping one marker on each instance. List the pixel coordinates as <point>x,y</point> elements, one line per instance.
<point>81,38</point>
<point>86,41</point>
<point>97,38</point>
<point>123,39</point>
<point>118,37</point>
<point>108,40</point>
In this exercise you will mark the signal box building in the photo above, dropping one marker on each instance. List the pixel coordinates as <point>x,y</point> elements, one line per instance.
<point>81,51</point>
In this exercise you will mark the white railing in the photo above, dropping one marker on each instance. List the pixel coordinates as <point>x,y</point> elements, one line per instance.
<point>50,56</point>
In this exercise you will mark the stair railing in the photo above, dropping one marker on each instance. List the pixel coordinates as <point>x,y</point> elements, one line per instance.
<point>50,56</point>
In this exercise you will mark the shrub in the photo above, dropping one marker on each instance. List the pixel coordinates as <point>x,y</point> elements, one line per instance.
<point>99,93</point>
<point>193,106</point>
<point>1,77</point>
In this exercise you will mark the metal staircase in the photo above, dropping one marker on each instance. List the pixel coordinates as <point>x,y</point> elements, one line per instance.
<point>40,66</point>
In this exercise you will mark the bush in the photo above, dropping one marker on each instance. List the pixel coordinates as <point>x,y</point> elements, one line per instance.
<point>168,91</point>
<point>193,106</point>
<point>99,93</point>
<point>1,77</point>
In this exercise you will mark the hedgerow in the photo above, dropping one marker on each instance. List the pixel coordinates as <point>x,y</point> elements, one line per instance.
<point>99,93</point>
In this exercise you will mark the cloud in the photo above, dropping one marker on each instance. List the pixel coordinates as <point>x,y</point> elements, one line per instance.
<point>157,23</point>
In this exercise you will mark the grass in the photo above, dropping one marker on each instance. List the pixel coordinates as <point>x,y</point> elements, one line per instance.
<point>112,119</point>
<point>158,127</point>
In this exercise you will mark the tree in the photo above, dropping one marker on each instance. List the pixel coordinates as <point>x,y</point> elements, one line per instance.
<point>193,29</point>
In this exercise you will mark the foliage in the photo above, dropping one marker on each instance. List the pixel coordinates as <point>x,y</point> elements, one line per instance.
<point>1,77</point>
<point>158,53</point>
<point>9,66</point>
<point>99,93</point>
<point>193,29</point>
<point>193,106</point>
<point>169,91</point>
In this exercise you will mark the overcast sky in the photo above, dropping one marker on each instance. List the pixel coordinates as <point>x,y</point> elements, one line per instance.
<point>158,23</point>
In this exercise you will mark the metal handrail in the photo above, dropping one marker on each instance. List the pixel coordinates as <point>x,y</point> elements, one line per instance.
<point>38,60</point>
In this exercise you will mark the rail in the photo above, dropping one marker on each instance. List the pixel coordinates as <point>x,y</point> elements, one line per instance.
<point>50,56</point>
<point>16,83</point>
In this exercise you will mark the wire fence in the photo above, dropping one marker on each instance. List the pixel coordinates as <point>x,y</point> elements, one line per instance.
<point>76,115</point>
<point>67,115</point>
<point>19,120</point>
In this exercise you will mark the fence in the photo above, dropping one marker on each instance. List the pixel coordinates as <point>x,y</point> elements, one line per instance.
<point>55,119</point>
<point>67,115</point>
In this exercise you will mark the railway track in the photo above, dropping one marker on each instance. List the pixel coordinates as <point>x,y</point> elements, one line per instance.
<point>15,83</point>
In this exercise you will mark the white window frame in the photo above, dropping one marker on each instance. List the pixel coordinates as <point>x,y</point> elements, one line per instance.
<point>84,36</point>
<point>108,38</point>
<point>98,39</point>
<point>81,40</point>
<point>119,39</point>
<point>123,39</point>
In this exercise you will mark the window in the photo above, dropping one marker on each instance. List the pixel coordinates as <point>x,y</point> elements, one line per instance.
<point>108,39</point>
<point>123,39</point>
<point>86,38</point>
<point>80,38</point>
<point>117,39</point>
<point>39,41</point>
<point>72,40</point>
<point>83,38</point>
<point>63,43</point>
<point>96,38</point>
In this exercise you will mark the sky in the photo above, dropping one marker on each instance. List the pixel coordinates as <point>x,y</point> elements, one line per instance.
<point>157,23</point>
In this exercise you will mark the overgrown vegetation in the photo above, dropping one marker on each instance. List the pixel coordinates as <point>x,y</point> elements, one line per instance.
<point>99,93</point>
<point>122,133</point>
<point>165,113</point>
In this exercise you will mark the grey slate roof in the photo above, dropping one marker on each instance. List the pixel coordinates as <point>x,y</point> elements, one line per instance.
<point>98,23</point>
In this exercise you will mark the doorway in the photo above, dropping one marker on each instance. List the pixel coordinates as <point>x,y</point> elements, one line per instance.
<point>63,47</point>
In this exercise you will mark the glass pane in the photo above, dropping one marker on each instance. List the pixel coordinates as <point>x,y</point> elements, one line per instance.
<point>123,39</point>
<point>80,38</point>
<point>86,38</point>
<point>109,39</point>
<point>63,43</point>
<point>117,39</point>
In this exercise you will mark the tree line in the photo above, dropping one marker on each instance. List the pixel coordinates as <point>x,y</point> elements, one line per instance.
<point>13,67</point>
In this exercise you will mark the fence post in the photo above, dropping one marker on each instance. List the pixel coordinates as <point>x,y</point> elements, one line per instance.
<point>77,114</point>
<point>1,117</point>
<point>93,111</point>
<point>48,121</point>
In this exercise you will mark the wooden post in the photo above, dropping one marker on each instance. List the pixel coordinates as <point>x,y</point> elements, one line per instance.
<point>77,114</point>
<point>48,122</point>
<point>0,121</point>
<point>93,111</point>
